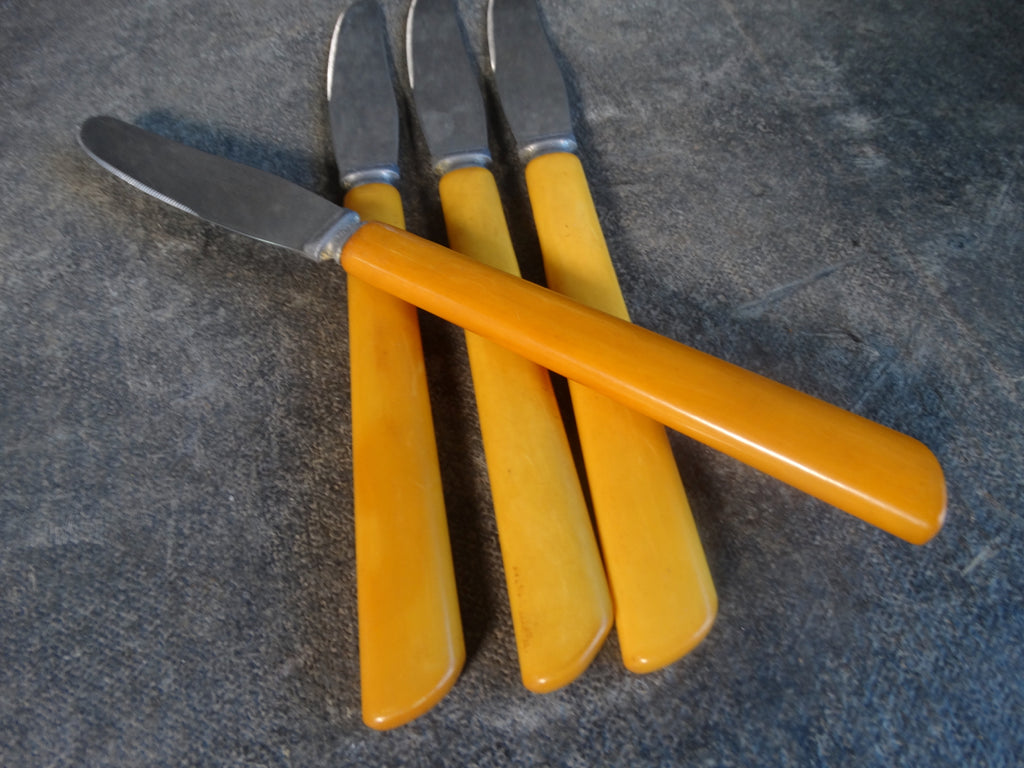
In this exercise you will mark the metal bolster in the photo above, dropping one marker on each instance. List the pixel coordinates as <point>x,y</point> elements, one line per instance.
<point>328,244</point>
<point>382,174</point>
<point>546,146</point>
<point>471,159</point>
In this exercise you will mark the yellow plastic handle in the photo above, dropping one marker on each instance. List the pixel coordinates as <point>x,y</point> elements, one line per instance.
<point>886,478</point>
<point>665,601</point>
<point>558,595</point>
<point>411,647</point>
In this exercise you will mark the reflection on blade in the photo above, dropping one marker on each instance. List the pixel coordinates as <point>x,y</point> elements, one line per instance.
<point>445,86</point>
<point>361,96</point>
<point>243,199</point>
<point>528,79</point>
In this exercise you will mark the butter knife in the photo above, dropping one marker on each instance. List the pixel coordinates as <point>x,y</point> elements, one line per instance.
<point>558,593</point>
<point>411,647</point>
<point>884,477</point>
<point>665,601</point>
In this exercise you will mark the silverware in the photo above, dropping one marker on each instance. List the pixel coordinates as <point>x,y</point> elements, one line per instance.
<point>411,648</point>
<point>665,601</point>
<point>558,593</point>
<point>878,474</point>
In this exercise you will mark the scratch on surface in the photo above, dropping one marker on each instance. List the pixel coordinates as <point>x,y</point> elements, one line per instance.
<point>49,535</point>
<point>995,215</point>
<point>877,377</point>
<point>999,207</point>
<point>987,552</point>
<point>883,367</point>
<point>754,49</point>
<point>169,554</point>
<point>756,307</point>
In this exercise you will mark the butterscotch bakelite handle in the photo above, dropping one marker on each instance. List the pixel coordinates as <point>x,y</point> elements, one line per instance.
<point>558,594</point>
<point>882,476</point>
<point>411,647</point>
<point>665,600</point>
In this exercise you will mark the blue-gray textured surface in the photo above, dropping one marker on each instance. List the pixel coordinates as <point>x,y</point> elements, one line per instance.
<point>829,193</point>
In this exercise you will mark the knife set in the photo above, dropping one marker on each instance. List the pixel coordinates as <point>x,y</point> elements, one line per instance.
<point>646,567</point>
<point>559,595</point>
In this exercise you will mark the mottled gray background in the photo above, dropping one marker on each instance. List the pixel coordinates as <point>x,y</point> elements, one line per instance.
<point>829,193</point>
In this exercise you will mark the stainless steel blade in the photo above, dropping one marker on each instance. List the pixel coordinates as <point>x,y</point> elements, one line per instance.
<point>361,97</point>
<point>445,86</point>
<point>243,199</point>
<point>530,84</point>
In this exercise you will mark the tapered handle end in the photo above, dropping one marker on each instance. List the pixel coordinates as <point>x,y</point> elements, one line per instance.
<point>411,648</point>
<point>558,594</point>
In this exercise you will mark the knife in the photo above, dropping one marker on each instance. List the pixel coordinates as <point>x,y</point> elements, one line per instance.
<point>558,593</point>
<point>534,101</point>
<point>665,600</point>
<point>411,647</point>
<point>882,476</point>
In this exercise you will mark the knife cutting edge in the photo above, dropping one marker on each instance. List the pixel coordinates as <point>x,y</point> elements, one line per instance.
<point>665,600</point>
<point>411,647</point>
<point>558,593</point>
<point>882,476</point>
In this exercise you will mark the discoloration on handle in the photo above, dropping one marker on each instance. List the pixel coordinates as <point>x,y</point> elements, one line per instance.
<point>576,258</point>
<point>886,478</point>
<point>665,600</point>
<point>410,633</point>
<point>558,595</point>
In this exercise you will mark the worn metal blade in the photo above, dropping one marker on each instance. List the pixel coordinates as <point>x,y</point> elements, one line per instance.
<point>445,86</point>
<point>243,199</point>
<point>530,85</point>
<point>361,97</point>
